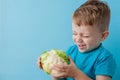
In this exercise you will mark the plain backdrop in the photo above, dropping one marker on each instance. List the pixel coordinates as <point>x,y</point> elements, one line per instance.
<point>29,27</point>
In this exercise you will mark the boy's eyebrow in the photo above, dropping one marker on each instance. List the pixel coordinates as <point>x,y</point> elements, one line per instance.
<point>73,31</point>
<point>84,32</point>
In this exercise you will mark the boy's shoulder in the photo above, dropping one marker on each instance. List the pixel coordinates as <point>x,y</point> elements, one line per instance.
<point>72,48</point>
<point>105,52</point>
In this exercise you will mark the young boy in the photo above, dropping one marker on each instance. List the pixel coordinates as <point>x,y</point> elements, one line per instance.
<point>89,60</point>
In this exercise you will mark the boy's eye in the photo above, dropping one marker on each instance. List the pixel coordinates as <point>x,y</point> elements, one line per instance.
<point>86,36</point>
<point>74,33</point>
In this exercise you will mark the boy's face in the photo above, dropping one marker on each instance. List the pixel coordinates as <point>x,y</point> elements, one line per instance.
<point>86,37</point>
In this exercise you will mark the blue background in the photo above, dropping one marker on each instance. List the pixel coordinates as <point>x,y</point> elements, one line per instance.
<point>28,27</point>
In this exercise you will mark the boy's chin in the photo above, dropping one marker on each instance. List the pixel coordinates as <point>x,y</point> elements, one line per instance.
<point>82,51</point>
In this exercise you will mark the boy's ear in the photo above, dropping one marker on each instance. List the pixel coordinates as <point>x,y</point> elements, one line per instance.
<point>105,35</point>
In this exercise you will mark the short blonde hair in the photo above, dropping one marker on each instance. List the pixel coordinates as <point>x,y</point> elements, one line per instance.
<point>93,12</point>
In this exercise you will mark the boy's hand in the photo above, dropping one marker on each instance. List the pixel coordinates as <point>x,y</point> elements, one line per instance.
<point>39,63</point>
<point>66,70</point>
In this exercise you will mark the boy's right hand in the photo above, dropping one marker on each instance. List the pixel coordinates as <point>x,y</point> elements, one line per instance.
<point>66,70</point>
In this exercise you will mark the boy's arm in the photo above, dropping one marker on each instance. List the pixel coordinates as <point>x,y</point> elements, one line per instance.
<point>81,76</point>
<point>100,77</point>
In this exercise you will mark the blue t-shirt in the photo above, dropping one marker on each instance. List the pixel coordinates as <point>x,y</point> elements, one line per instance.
<point>95,62</point>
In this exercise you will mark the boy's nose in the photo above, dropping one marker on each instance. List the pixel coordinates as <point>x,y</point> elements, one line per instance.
<point>79,39</point>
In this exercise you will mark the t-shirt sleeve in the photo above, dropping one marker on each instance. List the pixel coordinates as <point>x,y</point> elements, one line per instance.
<point>71,49</point>
<point>105,66</point>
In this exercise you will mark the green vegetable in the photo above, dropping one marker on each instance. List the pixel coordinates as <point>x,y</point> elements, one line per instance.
<point>50,58</point>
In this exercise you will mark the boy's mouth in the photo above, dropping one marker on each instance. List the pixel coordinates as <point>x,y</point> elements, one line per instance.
<point>81,46</point>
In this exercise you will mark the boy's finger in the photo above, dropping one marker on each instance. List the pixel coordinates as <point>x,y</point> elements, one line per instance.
<point>39,63</point>
<point>61,66</point>
<point>60,75</point>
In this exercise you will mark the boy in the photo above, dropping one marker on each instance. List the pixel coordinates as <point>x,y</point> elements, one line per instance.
<point>89,60</point>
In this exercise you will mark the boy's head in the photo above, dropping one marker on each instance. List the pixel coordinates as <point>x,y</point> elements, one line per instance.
<point>90,24</point>
<point>93,12</point>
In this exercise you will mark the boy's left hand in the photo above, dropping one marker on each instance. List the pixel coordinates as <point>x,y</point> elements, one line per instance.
<point>65,70</point>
